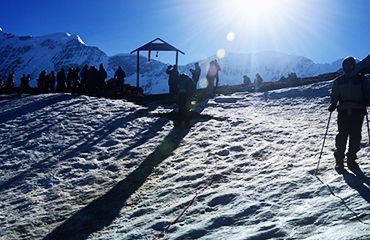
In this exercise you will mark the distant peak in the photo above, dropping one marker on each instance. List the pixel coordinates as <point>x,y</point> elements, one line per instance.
<point>64,36</point>
<point>80,40</point>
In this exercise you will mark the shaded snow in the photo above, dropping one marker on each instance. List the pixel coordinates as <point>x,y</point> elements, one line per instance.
<point>60,152</point>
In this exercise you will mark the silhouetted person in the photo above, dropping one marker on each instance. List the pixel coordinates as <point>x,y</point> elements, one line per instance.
<point>92,80</point>
<point>348,90</point>
<point>119,78</point>
<point>195,73</point>
<point>102,76</point>
<point>218,70</point>
<point>25,80</point>
<point>258,82</point>
<point>9,84</point>
<point>84,76</point>
<point>246,80</point>
<point>1,82</point>
<point>51,81</point>
<point>69,79</point>
<point>186,89</point>
<point>212,75</point>
<point>61,81</point>
<point>173,76</point>
<point>42,82</point>
<point>76,80</point>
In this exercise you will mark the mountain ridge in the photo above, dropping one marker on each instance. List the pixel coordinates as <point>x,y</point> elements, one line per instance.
<point>31,54</point>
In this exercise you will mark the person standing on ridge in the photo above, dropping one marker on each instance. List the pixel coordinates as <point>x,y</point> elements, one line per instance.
<point>173,77</point>
<point>69,79</point>
<point>212,75</point>
<point>84,78</point>
<point>25,87</point>
<point>102,76</point>
<point>1,82</point>
<point>61,81</point>
<point>9,84</point>
<point>51,81</point>
<point>350,91</point>
<point>195,73</point>
<point>119,77</point>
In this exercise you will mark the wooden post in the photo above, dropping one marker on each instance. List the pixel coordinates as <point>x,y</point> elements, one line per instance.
<point>137,70</point>
<point>177,60</point>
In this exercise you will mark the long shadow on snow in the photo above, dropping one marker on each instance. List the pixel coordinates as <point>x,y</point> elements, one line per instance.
<point>27,134</point>
<point>359,182</point>
<point>33,106</point>
<point>102,211</point>
<point>84,143</point>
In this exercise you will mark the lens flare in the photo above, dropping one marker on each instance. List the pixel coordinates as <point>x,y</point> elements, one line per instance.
<point>221,53</point>
<point>230,36</point>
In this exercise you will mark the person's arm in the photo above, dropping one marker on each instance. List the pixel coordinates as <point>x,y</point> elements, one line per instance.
<point>334,95</point>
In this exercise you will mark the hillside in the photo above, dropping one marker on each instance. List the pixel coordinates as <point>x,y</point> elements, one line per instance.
<point>77,167</point>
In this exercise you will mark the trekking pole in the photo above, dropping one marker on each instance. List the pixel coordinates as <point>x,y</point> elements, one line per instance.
<point>323,144</point>
<point>367,124</point>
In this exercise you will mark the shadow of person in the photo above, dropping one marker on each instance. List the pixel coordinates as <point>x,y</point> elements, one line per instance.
<point>102,211</point>
<point>33,106</point>
<point>358,182</point>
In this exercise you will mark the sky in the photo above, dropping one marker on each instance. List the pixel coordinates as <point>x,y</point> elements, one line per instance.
<point>322,30</point>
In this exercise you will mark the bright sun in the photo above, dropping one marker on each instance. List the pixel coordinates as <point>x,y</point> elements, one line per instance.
<point>254,10</point>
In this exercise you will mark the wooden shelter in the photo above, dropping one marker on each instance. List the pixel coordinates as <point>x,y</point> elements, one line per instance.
<point>155,45</point>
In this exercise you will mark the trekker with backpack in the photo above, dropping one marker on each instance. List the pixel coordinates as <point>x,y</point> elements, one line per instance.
<point>185,92</point>
<point>351,91</point>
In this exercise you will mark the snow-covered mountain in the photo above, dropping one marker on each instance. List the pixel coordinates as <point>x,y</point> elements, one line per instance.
<point>30,55</point>
<point>269,64</point>
<point>78,167</point>
<point>27,54</point>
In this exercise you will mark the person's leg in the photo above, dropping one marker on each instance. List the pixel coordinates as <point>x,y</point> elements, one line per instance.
<point>341,139</point>
<point>356,122</point>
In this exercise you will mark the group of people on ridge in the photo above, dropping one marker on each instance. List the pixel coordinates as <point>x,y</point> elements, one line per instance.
<point>8,85</point>
<point>88,80</point>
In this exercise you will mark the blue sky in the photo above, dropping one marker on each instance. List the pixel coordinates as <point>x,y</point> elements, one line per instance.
<point>323,30</point>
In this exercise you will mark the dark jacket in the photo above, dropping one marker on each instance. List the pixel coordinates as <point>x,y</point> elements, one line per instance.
<point>350,91</point>
<point>195,74</point>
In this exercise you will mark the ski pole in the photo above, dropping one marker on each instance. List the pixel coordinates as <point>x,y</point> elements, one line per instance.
<point>367,124</point>
<point>323,144</point>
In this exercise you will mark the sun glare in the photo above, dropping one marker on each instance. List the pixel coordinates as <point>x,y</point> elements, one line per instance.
<point>254,10</point>
<point>259,24</point>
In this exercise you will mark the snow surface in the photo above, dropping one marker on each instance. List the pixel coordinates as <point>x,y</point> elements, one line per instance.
<point>111,169</point>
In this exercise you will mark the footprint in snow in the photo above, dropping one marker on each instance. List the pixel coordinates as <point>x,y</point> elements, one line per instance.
<point>222,200</point>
